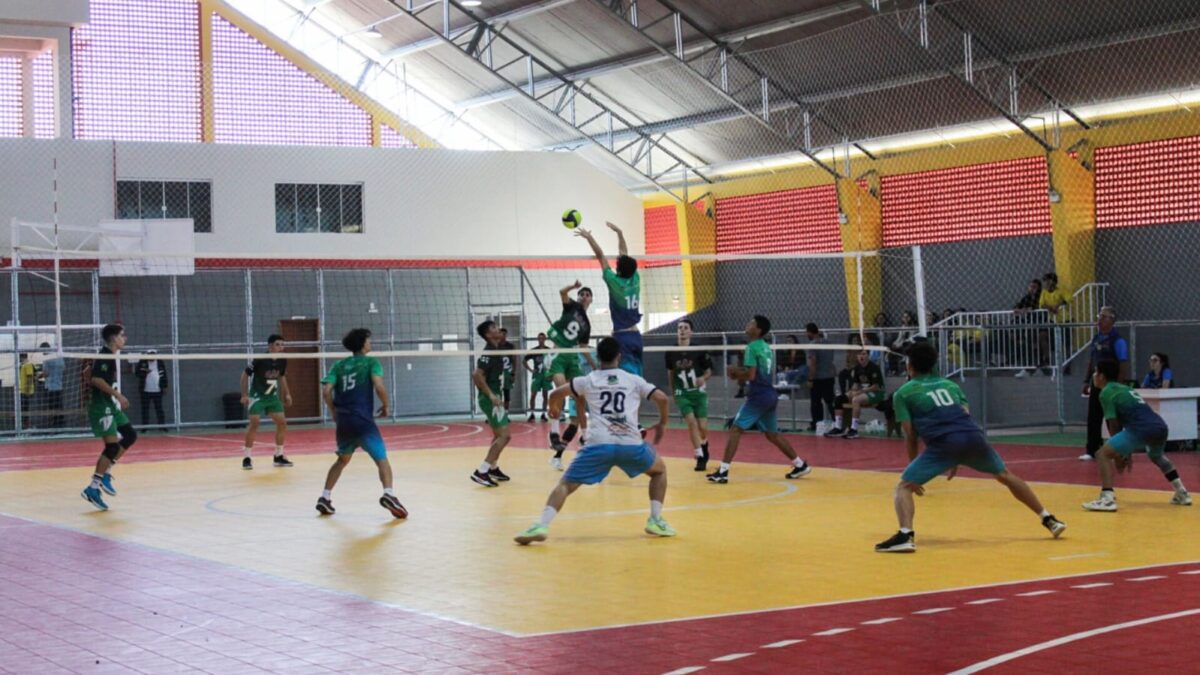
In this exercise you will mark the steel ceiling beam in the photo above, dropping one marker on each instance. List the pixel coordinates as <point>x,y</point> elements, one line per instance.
<point>645,154</point>
<point>721,115</point>
<point>507,17</point>
<point>999,90</point>
<point>735,38</point>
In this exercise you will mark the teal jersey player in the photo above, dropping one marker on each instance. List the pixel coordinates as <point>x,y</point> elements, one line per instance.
<point>933,409</point>
<point>761,390</point>
<point>352,390</point>
<point>1122,403</point>
<point>624,299</point>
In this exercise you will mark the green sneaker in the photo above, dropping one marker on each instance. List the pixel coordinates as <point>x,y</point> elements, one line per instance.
<point>535,532</point>
<point>659,527</point>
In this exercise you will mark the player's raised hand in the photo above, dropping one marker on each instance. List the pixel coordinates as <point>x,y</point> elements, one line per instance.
<point>576,285</point>
<point>612,227</point>
<point>583,232</point>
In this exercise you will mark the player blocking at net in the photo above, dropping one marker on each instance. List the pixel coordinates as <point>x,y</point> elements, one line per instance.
<point>489,377</point>
<point>614,396</point>
<point>758,412</point>
<point>106,413</point>
<point>573,329</point>
<point>262,383</point>
<point>934,409</point>
<point>349,390</point>
<point>624,298</point>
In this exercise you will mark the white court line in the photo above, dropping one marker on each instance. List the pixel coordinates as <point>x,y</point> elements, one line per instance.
<point>781,643</point>
<point>985,601</point>
<point>934,610</point>
<point>878,622</point>
<point>1149,578</point>
<point>1095,585</point>
<point>732,657</point>
<point>685,671</point>
<point>833,631</point>
<point>1191,572</point>
<point>1031,594</point>
<point>1066,639</point>
<point>1098,554</point>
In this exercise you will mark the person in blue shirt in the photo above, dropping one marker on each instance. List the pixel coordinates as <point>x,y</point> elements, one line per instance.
<point>1160,375</point>
<point>1107,344</point>
<point>624,298</point>
<point>52,368</point>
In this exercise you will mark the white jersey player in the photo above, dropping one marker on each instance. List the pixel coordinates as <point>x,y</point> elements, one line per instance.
<point>614,397</point>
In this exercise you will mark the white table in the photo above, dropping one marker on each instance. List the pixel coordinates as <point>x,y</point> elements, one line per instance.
<point>1177,407</point>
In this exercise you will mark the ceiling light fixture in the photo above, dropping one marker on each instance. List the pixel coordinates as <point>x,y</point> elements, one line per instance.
<point>373,31</point>
<point>472,3</point>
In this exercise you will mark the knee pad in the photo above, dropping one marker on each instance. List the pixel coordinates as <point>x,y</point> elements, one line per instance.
<point>112,451</point>
<point>129,435</point>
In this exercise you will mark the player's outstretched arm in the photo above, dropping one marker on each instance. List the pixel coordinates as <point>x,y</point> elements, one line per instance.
<point>660,399</point>
<point>564,293</point>
<point>381,392</point>
<point>586,234</point>
<point>622,248</point>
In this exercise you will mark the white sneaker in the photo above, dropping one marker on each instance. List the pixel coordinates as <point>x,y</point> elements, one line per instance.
<point>556,462</point>
<point>1022,373</point>
<point>1181,498</point>
<point>1086,458</point>
<point>1101,504</point>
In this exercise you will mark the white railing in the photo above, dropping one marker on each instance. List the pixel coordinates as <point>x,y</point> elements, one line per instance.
<point>1085,304</point>
<point>1019,340</point>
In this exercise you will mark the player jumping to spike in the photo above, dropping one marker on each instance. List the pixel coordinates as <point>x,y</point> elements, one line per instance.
<point>573,329</point>
<point>624,298</point>
<point>348,391</point>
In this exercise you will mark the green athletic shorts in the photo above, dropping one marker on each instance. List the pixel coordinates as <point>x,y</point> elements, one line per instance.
<point>266,405</point>
<point>692,402</point>
<point>542,381</point>
<point>568,365</point>
<point>497,416</point>
<point>876,397</point>
<point>105,418</point>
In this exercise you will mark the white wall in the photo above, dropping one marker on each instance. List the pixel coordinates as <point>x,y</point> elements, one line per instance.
<point>417,203</point>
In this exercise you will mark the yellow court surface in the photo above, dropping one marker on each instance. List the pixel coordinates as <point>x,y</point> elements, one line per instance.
<point>761,542</point>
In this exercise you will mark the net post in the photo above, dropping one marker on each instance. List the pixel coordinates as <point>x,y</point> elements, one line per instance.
<point>919,290</point>
<point>862,320</point>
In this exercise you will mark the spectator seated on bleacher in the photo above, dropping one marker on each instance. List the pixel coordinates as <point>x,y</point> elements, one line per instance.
<point>792,363</point>
<point>867,390</point>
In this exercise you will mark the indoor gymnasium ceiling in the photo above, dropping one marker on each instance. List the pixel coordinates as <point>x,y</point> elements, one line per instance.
<point>859,74</point>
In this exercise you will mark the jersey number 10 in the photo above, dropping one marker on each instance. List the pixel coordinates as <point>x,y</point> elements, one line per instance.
<point>940,397</point>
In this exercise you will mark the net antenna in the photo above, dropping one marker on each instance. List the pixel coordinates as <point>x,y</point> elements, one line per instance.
<point>120,248</point>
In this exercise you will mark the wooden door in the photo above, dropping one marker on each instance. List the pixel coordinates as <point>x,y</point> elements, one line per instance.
<point>303,375</point>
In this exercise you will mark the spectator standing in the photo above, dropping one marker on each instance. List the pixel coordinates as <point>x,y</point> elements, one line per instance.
<point>152,379</point>
<point>1160,375</point>
<point>821,376</point>
<point>28,386</point>
<point>1107,344</point>
<point>1057,301</point>
<point>1020,350</point>
<point>52,369</point>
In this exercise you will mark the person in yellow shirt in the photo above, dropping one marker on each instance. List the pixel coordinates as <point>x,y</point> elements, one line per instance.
<point>28,386</point>
<point>1056,301</point>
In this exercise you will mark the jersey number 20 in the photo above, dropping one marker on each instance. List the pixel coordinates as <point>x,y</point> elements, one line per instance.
<point>612,402</point>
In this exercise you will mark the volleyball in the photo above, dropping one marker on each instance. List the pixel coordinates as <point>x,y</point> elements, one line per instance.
<point>572,219</point>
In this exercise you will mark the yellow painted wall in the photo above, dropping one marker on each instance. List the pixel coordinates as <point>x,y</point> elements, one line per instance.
<point>862,231</point>
<point>697,235</point>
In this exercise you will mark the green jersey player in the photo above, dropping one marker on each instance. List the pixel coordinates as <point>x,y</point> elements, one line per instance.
<point>263,381</point>
<point>573,329</point>
<point>538,365</point>
<point>489,376</point>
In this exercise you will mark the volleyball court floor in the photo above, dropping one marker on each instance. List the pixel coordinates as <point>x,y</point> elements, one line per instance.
<point>200,566</point>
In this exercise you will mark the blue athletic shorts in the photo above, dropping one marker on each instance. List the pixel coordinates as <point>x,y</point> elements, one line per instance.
<point>631,350</point>
<point>1126,442</point>
<point>593,462</point>
<point>355,432</point>
<point>754,418</point>
<point>968,448</point>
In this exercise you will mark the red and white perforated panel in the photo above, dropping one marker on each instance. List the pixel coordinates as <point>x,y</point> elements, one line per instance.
<point>662,234</point>
<point>390,138</point>
<point>1148,183</point>
<point>982,201</point>
<point>136,69</point>
<point>261,97</point>
<point>10,97</point>
<point>43,95</point>
<point>803,220</point>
